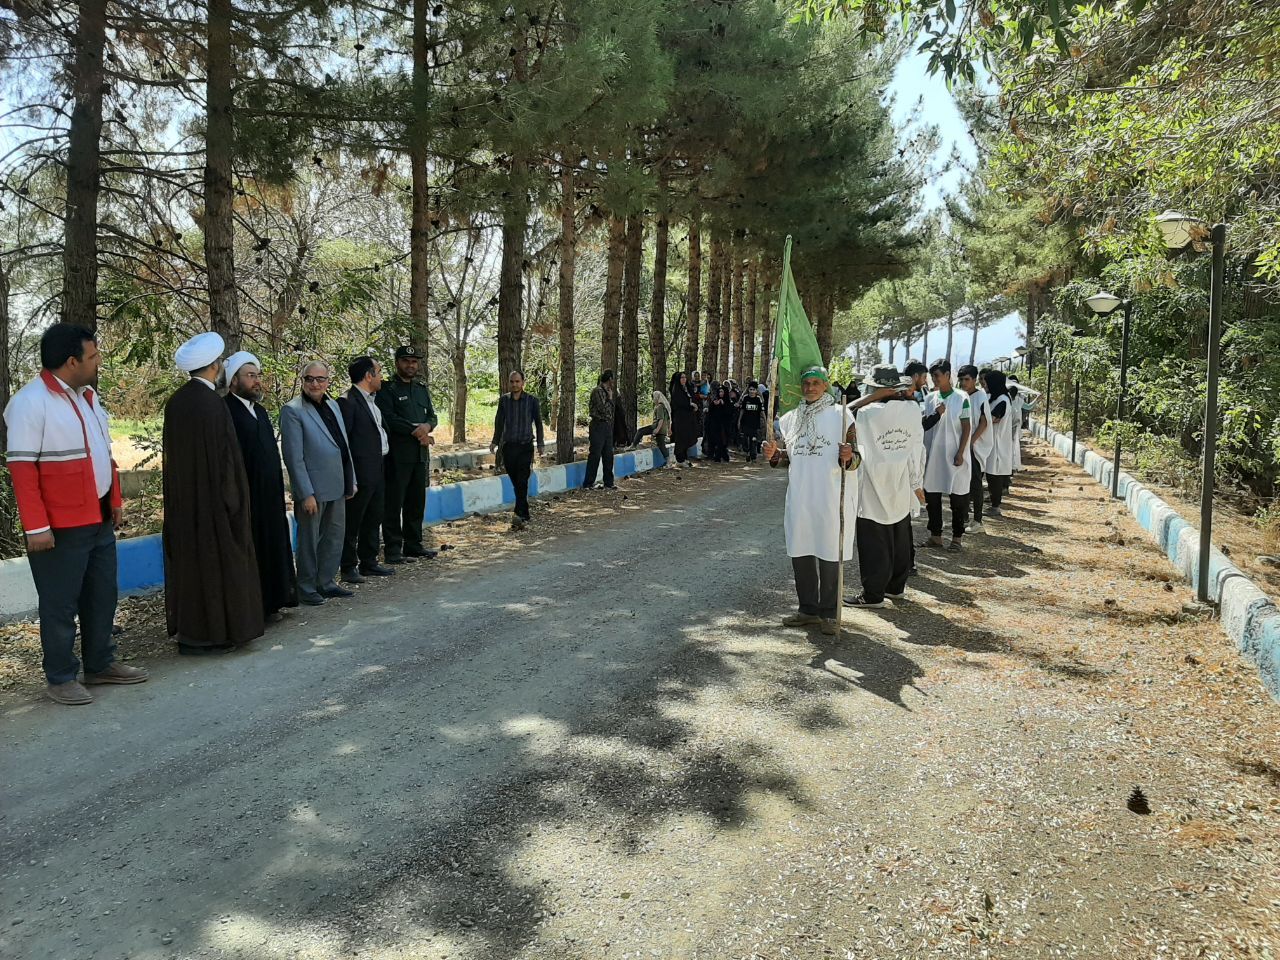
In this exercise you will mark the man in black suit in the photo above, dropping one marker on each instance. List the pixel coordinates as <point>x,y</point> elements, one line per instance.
<point>368,441</point>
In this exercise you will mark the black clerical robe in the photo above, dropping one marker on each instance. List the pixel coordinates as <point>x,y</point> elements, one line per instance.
<point>271,541</point>
<point>211,592</point>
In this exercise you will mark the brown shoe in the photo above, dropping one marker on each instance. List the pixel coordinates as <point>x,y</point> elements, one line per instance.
<point>801,620</point>
<point>118,673</point>
<point>71,694</point>
<point>830,628</point>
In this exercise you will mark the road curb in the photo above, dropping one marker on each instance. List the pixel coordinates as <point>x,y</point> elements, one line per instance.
<point>1247,615</point>
<point>140,560</point>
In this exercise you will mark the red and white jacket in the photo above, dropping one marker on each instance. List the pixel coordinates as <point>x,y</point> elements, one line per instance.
<point>49,457</point>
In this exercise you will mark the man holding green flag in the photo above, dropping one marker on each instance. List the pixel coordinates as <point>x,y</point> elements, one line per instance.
<point>817,441</point>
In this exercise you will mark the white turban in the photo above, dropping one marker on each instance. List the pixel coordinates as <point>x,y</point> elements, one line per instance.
<point>198,352</point>
<point>238,360</point>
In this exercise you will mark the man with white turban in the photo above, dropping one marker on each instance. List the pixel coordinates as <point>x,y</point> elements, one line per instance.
<point>213,600</point>
<point>262,468</point>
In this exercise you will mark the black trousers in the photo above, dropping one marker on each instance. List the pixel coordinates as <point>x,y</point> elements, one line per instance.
<point>959,513</point>
<point>884,556</point>
<point>975,489</point>
<point>817,586</point>
<point>658,440</point>
<point>601,434</point>
<point>518,459</point>
<point>751,441</point>
<point>406,506</point>
<point>365,513</point>
<point>997,486</point>
<point>77,578</point>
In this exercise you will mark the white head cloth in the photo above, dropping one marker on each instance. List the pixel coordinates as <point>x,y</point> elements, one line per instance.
<point>198,352</point>
<point>238,360</point>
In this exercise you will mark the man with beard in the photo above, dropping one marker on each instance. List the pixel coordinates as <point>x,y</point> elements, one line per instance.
<point>271,541</point>
<point>213,600</point>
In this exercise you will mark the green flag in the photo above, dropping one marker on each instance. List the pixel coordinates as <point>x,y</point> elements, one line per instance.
<point>796,348</point>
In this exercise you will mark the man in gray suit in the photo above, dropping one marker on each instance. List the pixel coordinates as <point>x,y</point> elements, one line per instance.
<point>323,480</point>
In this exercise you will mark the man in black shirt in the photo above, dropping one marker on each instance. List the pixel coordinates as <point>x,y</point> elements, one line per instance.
<point>750,418</point>
<point>601,408</point>
<point>514,425</point>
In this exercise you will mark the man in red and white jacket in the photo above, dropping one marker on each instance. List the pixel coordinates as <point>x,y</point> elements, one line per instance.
<point>68,495</point>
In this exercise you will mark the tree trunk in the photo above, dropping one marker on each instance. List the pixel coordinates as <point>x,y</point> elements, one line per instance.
<point>951,332</point>
<point>460,389</point>
<point>657,313</point>
<point>973,347</point>
<point>630,379</point>
<point>726,312</point>
<point>693,308</point>
<point>515,224</point>
<point>617,256</point>
<point>420,214</point>
<point>80,247</point>
<point>711,341</point>
<point>566,414</point>
<point>739,332</point>
<point>924,347</point>
<point>824,308</point>
<point>749,336</point>
<point>219,155</point>
<point>766,336</point>
<point>6,383</point>
<point>892,344</point>
<point>1033,317</point>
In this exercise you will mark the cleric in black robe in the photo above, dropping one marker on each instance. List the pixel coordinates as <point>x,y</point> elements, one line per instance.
<point>271,540</point>
<point>211,594</point>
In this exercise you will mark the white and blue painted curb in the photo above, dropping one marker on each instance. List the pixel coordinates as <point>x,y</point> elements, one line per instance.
<point>1248,616</point>
<point>140,560</point>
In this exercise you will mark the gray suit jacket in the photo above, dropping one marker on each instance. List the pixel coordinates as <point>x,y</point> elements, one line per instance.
<point>312,458</point>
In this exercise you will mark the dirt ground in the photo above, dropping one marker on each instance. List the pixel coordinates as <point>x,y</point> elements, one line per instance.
<point>601,745</point>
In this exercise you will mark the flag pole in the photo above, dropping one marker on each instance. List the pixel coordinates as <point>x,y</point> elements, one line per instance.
<point>844,476</point>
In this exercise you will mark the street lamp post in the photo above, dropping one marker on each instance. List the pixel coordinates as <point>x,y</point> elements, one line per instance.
<point>1048,387</point>
<point>1179,232</point>
<point>1104,305</point>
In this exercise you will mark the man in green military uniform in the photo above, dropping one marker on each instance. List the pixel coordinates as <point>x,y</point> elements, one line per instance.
<point>409,418</point>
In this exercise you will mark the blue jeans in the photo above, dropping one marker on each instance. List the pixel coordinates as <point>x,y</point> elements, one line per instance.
<point>77,578</point>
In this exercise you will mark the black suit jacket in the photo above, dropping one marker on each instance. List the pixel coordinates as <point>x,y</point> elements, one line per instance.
<point>362,437</point>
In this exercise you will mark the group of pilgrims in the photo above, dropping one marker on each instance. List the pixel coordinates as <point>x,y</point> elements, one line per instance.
<point>865,459</point>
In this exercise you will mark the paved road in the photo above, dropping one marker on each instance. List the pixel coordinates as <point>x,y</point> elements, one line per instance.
<point>596,746</point>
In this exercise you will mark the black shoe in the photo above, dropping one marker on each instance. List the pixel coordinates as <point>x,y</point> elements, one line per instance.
<point>337,591</point>
<point>312,599</point>
<point>861,601</point>
<point>352,576</point>
<point>376,570</point>
<point>193,650</point>
<point>395,560</point>
<point>421,554</point>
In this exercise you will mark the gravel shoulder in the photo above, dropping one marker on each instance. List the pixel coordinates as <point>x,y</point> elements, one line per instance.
<point>593,740</point>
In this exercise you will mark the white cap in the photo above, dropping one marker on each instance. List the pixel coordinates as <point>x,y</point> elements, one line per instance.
<point>198,352</point>
<point>238,360</point>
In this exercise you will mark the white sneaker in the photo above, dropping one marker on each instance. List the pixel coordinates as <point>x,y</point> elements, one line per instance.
<point>896,596</point>
<point>977,528</point>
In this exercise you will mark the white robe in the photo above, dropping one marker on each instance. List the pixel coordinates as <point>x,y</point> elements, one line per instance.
<point>999,462</point>
<point>979,407</point>
<point>1019,405</point>
<point>812,514</point>
<point>891,442</point>
<point>941,475</point>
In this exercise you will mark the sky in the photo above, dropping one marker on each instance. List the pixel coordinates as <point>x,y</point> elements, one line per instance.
<point>912,85</point>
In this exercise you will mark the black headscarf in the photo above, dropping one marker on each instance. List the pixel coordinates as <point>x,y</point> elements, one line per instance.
<point>996,388</point>
<point>681,397</point>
